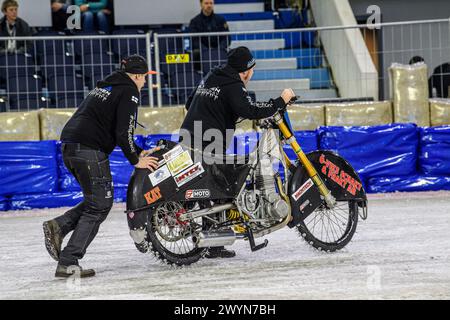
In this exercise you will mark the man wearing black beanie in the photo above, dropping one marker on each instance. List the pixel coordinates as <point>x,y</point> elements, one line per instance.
<point>222,98</point>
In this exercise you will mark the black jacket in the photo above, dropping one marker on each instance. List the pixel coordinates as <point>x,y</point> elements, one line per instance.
<point>22,30</point>
<point>220,100</point>
<point>107,117</point>
<point>212,23</point>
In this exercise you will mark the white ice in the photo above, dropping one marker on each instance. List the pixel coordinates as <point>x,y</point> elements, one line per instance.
<point>400,252</point>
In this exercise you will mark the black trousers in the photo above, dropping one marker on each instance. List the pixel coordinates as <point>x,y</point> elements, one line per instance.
<point>92,171</point>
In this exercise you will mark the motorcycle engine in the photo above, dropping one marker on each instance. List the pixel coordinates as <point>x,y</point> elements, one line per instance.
<point>274,206</point>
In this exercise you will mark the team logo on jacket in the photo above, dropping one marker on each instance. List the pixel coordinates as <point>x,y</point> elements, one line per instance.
<point>153,195</point>
<point>189,174</point>
<point>101,93</point>
<point>197,194</point>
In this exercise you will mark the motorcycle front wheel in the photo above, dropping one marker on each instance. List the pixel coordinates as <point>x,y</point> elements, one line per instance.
<point>171,239</point>
<point>328,229</point>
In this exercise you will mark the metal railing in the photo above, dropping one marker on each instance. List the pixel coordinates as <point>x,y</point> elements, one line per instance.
<point>318,63</point>
<point>59,71</point>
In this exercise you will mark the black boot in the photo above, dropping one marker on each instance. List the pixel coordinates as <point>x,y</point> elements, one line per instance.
<point>77,271</point>
<point>219,252</point>
<point>53,238</point>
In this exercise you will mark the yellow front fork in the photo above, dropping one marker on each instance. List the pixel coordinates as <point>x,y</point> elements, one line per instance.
<point>312,172</point>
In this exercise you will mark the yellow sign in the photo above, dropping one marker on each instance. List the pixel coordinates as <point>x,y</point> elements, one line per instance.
<point>177,58</point>
<point>180,162</point>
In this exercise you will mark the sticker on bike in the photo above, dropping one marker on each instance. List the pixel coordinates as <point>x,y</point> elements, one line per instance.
<point>189,174</point>
<point>159,175</point>
<point>181,162</point>
<point>302,190</point>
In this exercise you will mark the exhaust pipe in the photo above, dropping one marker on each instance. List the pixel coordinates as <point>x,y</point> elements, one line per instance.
<point>214,238</point>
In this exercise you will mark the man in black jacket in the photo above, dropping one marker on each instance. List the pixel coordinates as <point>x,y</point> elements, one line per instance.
<point>208,21</point>
<point>220,100</point>
<point>106,118</point>
<point>12,26</point>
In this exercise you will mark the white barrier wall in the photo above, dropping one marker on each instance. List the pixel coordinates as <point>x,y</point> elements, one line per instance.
<point>37,13</point>
<point>143,12</point>
<point>353,70</point>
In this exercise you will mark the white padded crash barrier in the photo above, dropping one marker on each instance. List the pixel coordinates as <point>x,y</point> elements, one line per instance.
<point>409,92</point>
<point>306,117</point>
<point>19,126</point>
<point>160,120</point>
<point>52,122</point>
<point>358,114</point>
<point>440,112</point>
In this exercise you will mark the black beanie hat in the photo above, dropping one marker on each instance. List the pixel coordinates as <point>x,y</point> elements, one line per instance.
<point>241,59</point>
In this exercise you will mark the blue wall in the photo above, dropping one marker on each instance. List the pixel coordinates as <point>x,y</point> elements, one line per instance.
<point>389,158</point>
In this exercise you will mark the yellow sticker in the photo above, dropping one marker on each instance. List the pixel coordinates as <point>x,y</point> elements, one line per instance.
<point>177,58</point>
<point>180,162</point>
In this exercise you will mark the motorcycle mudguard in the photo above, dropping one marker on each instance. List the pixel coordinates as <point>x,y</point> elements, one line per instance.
<point>337,174</point>
<point>197,181</point>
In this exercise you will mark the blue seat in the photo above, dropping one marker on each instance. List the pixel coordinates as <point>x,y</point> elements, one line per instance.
<point>64,87</point>
<point>16,65</point>
<point>100,63</point>
<point>89,46</point>
<point>60,64</point>
<point>28,102</point>
<point>69,101</point>
<point>24,84</point>
<point>51,47</point>
<point>126,47</point>
<point>211,58</point>
<point>182,85</point>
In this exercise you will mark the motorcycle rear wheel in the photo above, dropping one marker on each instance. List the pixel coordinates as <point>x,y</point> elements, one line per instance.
<point>330,230</point>
<point>170,239</point>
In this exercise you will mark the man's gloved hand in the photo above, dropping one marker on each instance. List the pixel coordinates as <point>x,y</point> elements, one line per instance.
<point>288,95</point>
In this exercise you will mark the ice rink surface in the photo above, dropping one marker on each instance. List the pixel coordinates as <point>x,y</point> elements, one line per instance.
<point>400,252</point>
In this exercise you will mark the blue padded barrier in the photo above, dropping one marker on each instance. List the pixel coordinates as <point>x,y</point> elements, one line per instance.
<point>27,165</point>
<point>56,199</point>
<point>434,158</point>
<point>152,140</point>
<point>4,204</point>
<point>120,169</point>
<point>378,151</point>
<point>408,183</point>
<point>46,200</point>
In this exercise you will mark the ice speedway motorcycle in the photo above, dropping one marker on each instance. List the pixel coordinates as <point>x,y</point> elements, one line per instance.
<point>183,208</point>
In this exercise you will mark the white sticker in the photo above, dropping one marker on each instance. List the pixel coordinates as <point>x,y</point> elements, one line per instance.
<point>159,175</point>
<point>189,174</point>
<point>301,191</point>
<point>172,153</point>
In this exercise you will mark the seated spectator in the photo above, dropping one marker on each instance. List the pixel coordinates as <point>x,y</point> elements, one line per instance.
<point>416,59</point>
<point>12,26</point>
<point>208,21</point>
<point>92,9</point>
<point>59,14</point>
<point>439,81</point>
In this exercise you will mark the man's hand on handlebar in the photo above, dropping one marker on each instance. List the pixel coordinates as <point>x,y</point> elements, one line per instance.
<point>288,96</point>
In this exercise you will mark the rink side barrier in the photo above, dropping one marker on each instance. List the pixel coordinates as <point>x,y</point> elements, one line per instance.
<point>434,156</point>
<point>389,158</point>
